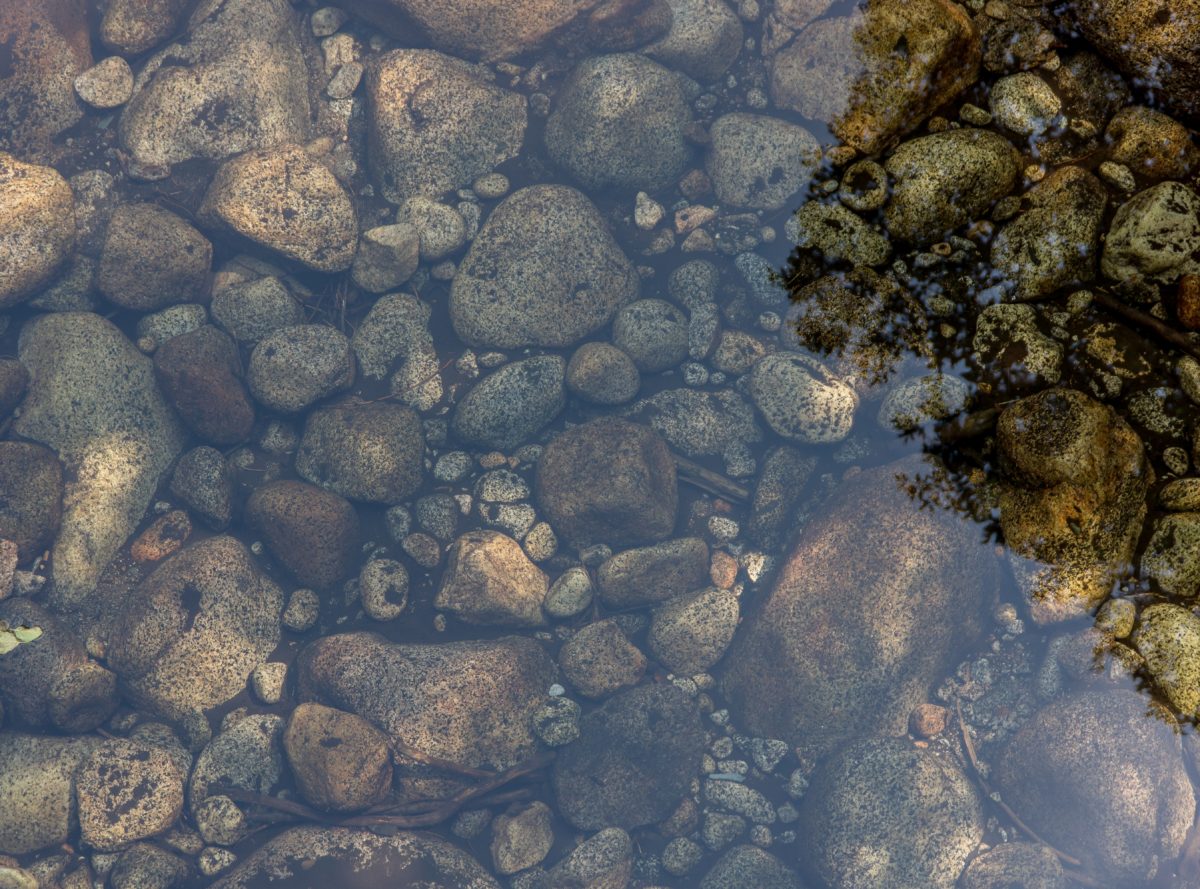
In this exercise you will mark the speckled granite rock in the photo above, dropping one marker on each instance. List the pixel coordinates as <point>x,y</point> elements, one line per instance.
<point>37,227</point>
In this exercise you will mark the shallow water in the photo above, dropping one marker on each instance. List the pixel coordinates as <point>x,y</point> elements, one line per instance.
<point>884,600</point>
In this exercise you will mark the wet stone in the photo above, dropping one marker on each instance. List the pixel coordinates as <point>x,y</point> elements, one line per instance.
<point>490,581</point>
<point>608,481</point>
<point>302,610</point>
<point>127,792</point>
<point>947,179</point>
<point>750,866</point>
<point>202,481</point>
<point>248,312</point>
<point>602,374</point>
<point>633,761</point>
<point>440,228</point>
<point>801,400</point>
<point>387,257</point>
<point>38,783</point>
<point>146,866</point>
<point>171,322</point>
<point>1172,555</point>
<point>200,374</point>
<point>1023,864</point>
<point>1168,637</point>
<point>703,39</point>
<point>267,681</point>
<point>837,234</point>
<point>701,423</point>
<point>557,721</point>
<point>1153,143</point>
<point>1008,343</point>
<point>653,333</point>
<point>1155,235</point>
<point>434,124</point>
<point>569,595</point>
<point>372,452</point>
<point>219,820</point>
<point>31,488</point>
<point>857,817</point>
<point>604,859</point>
<point>313,532</point>
<point>760,162</point>
<point>37,227</point>
<point>293,367</point>
<point>600,660</point>
<point>652,574</point>
<point>246,755</point>
<point>511,405</point>
<point>395,334</point>
<point>107,84</point>
<point>691,632</point>
<point>522,839</point>
<point>341,762</point>
<point>739,799</point>
<point>619,121</point>
<point>1024,103</point>
<point>543,271</point>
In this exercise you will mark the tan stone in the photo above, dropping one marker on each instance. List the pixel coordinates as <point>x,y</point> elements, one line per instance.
<point>341,761</point>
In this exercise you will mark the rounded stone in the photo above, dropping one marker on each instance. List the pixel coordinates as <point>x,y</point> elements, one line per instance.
<point>690,633</point>
<point>703,40</point>
<point>543,271</point>
<point>387,257</point>
<point>1028,865</point>
<point>286,200</point>
<point>1155,234</point>
<point>522,839</point>
<point>293,367</point>
<point>37,227</point>
<point>570,594</point>
<point>364,451</point>
<point>1172,554</point>
<point>602,374</point>
<point>1168,637</point>
<point>600,660</point>
<point>127,791</point>
<point>31,491</point>
<point>857,817</point>
<point>107,84</point>
<point>758,162</point>
<point>313,532</point>
<point>800,399</point>
<point>302,611</point>
<point>490,581</point>
<point>203,481</point>
<point>1024,104</point>
<point>653,333</point>
<point>620,121</point>
<point>440,228</point>
<point>342,763</point>
<point>919,400</point>
<point>383,589</point>
<point>200,373</point>
<point>248,312</point>
<point>510,406</point>
<point>1152,143</point>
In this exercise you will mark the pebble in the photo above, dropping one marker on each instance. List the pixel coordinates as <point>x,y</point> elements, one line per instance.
<point>107,84</point>
<point>570,594</point>
<point>302,610</point>
<point>1024,103</point>
<point>267,681</point>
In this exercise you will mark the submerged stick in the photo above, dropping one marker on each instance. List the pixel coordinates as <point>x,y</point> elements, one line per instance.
<point>707,480</point>
<point>1143,319</point>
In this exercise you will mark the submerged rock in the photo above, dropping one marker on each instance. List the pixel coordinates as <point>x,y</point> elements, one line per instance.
<point>435,124</point>
<point>127,791</point>
<point>397,329</point>
<point>886,813</point>
<point>348,857</point>
<point>195,629</point>
<point>1172,554</point>
<point>608,481</point>
<point>872,579</point>
<point>1073,499</point>
<point>37,228</point>
<point>652,574</point>
<point>1099,775</point>
<point>93,399</point>
<point>1155,234</point>
<point>633,761</point>
<point>947,179</point>
<point>1168,637</point>
<point>702,41</point>
<point>130,27</point>
<point>849,71</point>
<point>620,121</point>
<point>237,80</point>
<point>371,452</point>
<point>760,162</point>
<point>38,786</point>
<point>341,761</point>
<point>313,532</point>
<point>201,375</point>
<point>543,271</point>
<point>31,493</point>
<point>1028,865</point>
<point>800,399</point>
<point>1152,143</point>
<point>600,660</point>
<point>490,581</point>
<point>512,405</point>
<point>152,258</point>
<point>292,367</point>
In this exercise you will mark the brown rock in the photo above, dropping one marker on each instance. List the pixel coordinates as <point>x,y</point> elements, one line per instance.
<point>652,574</point>
<point>31,489</point>
<point>127,791</point>
<point>489,580</point>
<point>478,29</point>
<point>46,44</point>
<point>853,635</point>
<point>849,72</point>
<point>522,839</point>
<point>131,27</point>
<point>314,533</point>
<point>928,720</point>
<point>164,536</point>
<point>608,481</point>
<point>620,25</point>
<point>341,761</point>
<point>287,201</point>
<point>1187,301</point>
<point>1152,143</point>
<point>37,226</point>
<point>152,258</point>
<point>200,374</point>
<point>600,660</point>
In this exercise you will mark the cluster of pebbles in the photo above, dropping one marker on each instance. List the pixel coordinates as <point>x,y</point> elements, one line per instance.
<point>589,424</point>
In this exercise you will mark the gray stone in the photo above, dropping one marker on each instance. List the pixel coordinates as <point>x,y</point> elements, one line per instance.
<point>1168,637</point>
<point>236,81</point>
<point>602,374</point>
<point>800,399</point>
<point>246,755</point>
<point>1008,343</point>
<point>705,37</point>
<point>699,422</point>
<point>633,762</point>
<point>1028,865</point>
<point>31,488</point>
<point>38,786</point>
<point>288,201</point>
<point>441,230</point>
<point>947,179</point>
<point>600,660</point>
<point>342,763</point>
<point>1172,554</point>
<point>195,629</point>
<point>250,311</point>
<point>512,405</point>
<point>490,581</point>
<point>522,839</point>
<point>383,588</point>
<point>117,446</point>
<point>858,817</point>
<point>750,866</point>
<point>838,235</point>
<point>146,866</point>
<point>872,576</point>
<point>543,271</point>
<point>292,367</point>
<point>690,633</point>
<point>653,333</point>
<point>434,123</point>
<point>603,861</point>
<point>347,856</point>
<point>694,283</point>
<point>37,227</point>
<point>619,121</point>
<point>916,401</point>
<point>1054,243</point>
<point>1024,103</point>
<point>758,162</point>
<point>397,327</point>
<point>1155,235</point>
<point>1101,779</point>
<point>364,451</point>
<point>171,322</point>
<point>204,483</point>
<point>570,594</point>
<point>387,257</point>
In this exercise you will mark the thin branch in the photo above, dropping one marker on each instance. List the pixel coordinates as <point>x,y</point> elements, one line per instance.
<point>707,480</point>
<point>1142,319</point>
<point>402,749</point>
